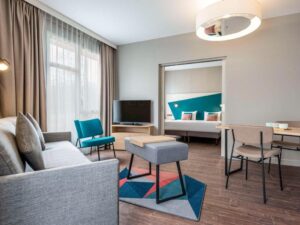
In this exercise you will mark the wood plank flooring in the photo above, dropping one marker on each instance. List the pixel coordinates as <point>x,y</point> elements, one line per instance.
<point>241,204</point>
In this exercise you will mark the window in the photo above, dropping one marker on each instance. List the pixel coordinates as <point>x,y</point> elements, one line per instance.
<point>73,76</point>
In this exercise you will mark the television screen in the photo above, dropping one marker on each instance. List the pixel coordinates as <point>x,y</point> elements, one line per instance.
<point>132,111</point>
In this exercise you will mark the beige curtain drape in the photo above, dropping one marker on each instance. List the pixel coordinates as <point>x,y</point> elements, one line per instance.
<point>22,87</point>
<point>108,74</point>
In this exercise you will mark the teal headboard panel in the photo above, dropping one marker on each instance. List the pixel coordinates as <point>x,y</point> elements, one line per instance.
<point>209,103</point>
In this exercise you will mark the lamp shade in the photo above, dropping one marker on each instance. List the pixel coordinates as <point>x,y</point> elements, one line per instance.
<point>228,19</point>
<point>4,64</point>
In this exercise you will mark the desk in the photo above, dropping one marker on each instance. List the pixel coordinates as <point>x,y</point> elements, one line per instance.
<point>291,131</point>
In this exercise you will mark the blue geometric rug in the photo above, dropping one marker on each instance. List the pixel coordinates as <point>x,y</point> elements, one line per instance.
<point>142,191</point>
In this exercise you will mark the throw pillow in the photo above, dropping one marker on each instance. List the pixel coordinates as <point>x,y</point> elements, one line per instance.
<point>212,117</point>
<point>29,143</point>
<point>212,113</point>
<point>186,116</point>
<point>194,114</point>
<point>38,129</point>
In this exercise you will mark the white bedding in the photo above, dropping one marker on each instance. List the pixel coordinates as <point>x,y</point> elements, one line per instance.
<point>192,125</point>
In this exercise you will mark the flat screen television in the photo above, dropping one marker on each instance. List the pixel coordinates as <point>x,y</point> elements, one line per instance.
<point>132,112</point>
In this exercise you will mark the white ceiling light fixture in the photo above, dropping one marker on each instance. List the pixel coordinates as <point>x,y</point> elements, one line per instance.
<point>228,19</point>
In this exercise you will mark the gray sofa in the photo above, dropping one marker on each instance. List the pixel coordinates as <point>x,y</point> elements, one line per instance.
<point>71,190</point>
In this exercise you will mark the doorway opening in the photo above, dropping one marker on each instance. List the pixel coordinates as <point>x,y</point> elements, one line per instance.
<point>192,99</point>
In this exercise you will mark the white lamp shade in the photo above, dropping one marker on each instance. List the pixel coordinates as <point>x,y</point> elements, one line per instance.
<point>249,9</point>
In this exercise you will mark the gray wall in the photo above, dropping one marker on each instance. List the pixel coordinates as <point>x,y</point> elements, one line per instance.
<point>201,80</point>
<point>261,75</point>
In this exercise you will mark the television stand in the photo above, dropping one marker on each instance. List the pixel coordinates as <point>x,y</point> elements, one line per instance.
<point>121,131</point>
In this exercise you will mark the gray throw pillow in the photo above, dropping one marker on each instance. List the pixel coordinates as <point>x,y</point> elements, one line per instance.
<point>29,143</point>
<point>38,129</point>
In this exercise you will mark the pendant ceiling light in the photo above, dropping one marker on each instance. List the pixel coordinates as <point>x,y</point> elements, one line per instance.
<point>228,19</point>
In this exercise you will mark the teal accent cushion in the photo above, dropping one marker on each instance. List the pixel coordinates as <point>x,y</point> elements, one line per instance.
<point>97,141</point>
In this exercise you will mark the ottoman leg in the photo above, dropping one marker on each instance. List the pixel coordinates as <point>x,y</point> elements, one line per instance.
<point>158,200</point>
<point>139,175</point>
<point>180,178</point>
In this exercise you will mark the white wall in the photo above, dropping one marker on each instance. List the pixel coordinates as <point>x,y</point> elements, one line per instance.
<point>262,71</point>
<point>201,80</point>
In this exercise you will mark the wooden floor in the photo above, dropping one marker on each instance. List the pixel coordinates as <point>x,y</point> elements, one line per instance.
<point>241,204</point>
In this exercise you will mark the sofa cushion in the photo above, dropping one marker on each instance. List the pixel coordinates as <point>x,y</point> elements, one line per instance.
<point>63,153</point>
<point>38,129</point>
<point>29,143</point>
<point>10,159</point>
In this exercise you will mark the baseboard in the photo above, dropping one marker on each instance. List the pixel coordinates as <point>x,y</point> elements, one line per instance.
<point>286,162</point>
<point>290,162</point>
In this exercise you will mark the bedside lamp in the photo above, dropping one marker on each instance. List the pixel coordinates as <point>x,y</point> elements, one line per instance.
<point>4,64</point>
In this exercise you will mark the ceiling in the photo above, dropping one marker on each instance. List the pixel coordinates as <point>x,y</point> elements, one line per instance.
<point>128,21</point>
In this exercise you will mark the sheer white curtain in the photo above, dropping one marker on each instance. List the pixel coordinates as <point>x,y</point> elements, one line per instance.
<point>73,71</point>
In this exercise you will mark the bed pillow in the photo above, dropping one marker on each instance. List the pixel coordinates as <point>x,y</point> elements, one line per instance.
<point>212,117</point>
<point>186,116</point>
<point>208,116</point>
<point>194,114</point>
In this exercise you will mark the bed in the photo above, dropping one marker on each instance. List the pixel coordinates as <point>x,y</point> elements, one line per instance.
<point>193,128</point>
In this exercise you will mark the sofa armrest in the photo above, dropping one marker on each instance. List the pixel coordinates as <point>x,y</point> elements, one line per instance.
<point>83,194</point>
<point>57,136</point>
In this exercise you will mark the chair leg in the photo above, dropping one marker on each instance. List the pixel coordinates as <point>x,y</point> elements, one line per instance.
<point>157,184</point>
<point>130,165</point>
<point>91,151</point>
<point>270,161</point>
<point>180,178</point>
<point>229,169</point>
<point>246,168</point>
<point>98,153</point>
<point>113,146</point>
<point>264,181</point>
<point>279,169</point>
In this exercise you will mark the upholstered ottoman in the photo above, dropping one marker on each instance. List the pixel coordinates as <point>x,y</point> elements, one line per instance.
<point>158,154</point>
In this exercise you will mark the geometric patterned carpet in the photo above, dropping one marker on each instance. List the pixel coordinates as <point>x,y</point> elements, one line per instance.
<point>141,191</point>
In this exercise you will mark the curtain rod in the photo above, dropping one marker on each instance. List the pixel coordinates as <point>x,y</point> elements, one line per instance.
<point>67,20</point>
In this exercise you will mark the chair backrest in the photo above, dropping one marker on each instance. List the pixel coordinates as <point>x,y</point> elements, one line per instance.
<point>251,135</point>
<point>78,129</point>
<point>291,123</point>
<point>88,128</point>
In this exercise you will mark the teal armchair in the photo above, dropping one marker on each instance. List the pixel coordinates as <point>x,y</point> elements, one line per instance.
<point>90,135</point>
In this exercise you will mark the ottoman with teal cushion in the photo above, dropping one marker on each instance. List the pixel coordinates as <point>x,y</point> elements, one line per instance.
<point>158,154</point>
